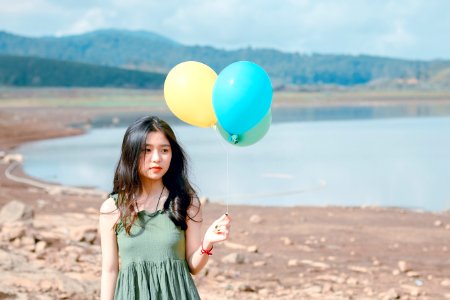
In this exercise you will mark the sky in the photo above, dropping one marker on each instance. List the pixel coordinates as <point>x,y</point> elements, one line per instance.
<point>410,29</point>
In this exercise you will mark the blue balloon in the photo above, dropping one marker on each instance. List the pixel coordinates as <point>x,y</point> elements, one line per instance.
<point>242,96</point>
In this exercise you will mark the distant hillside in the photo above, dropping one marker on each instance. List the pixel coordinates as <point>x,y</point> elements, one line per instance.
<point>441,77</point>
<point>151,52</point>
<point>118,48</point>
<point>31,71</point>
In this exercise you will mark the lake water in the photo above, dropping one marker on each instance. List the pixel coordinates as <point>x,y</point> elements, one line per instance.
<point>402,162</point>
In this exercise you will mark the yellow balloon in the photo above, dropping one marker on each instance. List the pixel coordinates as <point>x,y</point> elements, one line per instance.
<point>188,93</point>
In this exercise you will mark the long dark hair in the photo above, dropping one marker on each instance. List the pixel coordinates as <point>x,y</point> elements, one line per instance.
<point>127,182</point>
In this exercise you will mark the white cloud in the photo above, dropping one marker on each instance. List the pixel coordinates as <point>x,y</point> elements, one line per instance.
<point>15,8</point>
<point>396,39</point>
<point>91,20</point>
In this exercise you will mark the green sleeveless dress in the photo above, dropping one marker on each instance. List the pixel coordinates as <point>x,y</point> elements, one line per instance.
<point>152,260</point>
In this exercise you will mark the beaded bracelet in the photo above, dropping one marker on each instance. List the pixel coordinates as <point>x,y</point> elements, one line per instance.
<point>205,251</point>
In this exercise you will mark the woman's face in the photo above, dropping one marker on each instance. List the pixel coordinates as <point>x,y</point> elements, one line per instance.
<point>155,157</point>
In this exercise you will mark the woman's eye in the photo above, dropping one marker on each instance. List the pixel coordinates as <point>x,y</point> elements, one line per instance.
<point>148,150</point>
<point>165,150</point>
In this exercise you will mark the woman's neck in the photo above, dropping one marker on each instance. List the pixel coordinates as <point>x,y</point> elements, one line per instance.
<point>151,188</point>
<point>150,196</point>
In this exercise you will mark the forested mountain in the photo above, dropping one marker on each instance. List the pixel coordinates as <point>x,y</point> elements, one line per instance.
<point>147,51</point>
<point>32,71</point>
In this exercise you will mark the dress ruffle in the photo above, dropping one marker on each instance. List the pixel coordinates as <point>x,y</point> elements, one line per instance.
<point>168,279</point>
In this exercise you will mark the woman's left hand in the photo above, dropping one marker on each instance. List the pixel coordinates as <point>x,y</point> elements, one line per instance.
<point>219,230</point>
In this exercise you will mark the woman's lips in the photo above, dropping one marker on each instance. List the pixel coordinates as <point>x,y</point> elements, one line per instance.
<point>155,169</point>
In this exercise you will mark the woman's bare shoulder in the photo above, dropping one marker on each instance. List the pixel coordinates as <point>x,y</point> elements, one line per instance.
<point>109,206</point>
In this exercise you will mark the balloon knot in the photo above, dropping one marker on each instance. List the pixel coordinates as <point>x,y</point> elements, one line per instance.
<point>234,138</point>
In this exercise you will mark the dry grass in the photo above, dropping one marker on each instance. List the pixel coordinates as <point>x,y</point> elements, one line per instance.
<point>109,97</point>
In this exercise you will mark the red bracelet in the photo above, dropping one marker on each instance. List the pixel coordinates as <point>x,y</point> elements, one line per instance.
<point>204,251</point>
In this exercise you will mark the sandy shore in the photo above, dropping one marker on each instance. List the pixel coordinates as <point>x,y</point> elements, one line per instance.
<point>274,253</point>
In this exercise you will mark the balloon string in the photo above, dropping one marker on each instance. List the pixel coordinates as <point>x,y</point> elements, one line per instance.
<point>228,169</point>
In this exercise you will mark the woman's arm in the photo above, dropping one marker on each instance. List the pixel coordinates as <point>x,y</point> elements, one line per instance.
<point>110,262</point>
<point>217,232</point>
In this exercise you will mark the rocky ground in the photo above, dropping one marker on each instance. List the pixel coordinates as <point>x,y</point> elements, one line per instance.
<point>49,246</point>
<point>274,253</point>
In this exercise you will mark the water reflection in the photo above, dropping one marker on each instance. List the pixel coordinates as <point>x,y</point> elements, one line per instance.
<point>297,114</point>
<point>285,114</point>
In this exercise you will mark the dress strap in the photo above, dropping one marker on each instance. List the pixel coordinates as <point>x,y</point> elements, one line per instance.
<point>115,197</point>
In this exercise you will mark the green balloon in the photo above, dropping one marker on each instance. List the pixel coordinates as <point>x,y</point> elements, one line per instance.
<point>251,136</point>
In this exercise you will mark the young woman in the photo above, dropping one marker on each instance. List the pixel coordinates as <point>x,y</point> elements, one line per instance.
<point>152,221</point>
